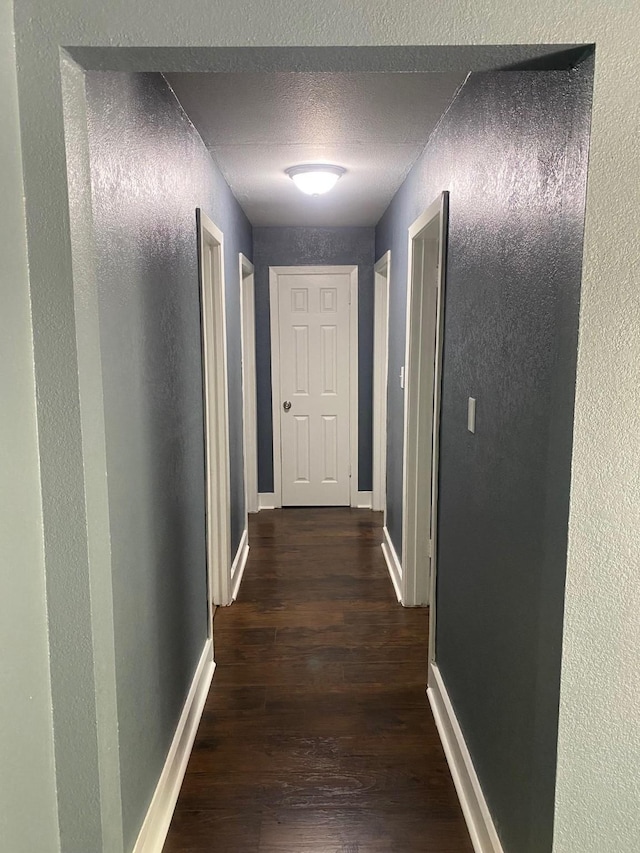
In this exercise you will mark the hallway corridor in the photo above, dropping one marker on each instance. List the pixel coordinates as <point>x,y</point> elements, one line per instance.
<point>317,736</point>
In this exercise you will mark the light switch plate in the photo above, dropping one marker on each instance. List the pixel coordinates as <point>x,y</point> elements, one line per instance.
<point>471,414</point>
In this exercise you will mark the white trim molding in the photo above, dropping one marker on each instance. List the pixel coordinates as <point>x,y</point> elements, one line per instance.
<point>156,824</point>
<point>393,563</point>
<point>216,407</point>
<point>274,272</point>
<point>354,383</point>
<point>382,273</point>
<point>422,378</point>
<point>239,563</point>
<point>249,403</point>
<point>474,806</point>
<point>276,396</point>
<point>266,500</point>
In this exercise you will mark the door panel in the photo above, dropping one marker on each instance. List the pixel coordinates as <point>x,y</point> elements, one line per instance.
<point>301,449</point>
<point>301,386</point>
<point>329,449</point>
<point>314,378</point>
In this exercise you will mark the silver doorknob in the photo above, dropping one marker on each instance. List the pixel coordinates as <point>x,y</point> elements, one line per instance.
<point>286,405</point>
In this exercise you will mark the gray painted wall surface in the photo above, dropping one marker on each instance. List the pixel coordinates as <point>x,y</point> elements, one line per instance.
<point>28,814</point>
<point>149,172</point>
<point>299,245</point>
<point>595,812</point>
<point>512,151</point>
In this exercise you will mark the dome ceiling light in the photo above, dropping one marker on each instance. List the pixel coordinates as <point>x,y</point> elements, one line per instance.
<point>316,178</point>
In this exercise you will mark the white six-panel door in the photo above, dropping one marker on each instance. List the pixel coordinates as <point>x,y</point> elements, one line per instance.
<point>314,387</point>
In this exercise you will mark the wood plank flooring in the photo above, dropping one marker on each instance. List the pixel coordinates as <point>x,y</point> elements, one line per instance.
<point>317,736</point>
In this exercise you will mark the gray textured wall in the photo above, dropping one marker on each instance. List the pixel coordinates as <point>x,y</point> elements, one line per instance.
<point>595,812</point>
<point>305,245</point>
<point>149,172</point>
<point>512,150</point>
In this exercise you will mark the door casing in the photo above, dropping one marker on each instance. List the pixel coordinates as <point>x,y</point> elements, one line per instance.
<point>382,272</point>
<point>216,407</point>
<point>423,371</point>
<point>274,273</point>
<point>249,404</point>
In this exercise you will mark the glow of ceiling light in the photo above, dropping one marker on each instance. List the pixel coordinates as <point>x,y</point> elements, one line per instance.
<point>315,179</point>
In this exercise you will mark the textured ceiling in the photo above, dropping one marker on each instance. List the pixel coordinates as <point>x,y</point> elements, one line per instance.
<point>257,125</point>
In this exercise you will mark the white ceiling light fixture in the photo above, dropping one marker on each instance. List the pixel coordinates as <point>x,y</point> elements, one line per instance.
<point>315,178</point>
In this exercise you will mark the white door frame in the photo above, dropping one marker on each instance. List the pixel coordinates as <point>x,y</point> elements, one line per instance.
<point>249,405</point>
<point>382,272</point>
<point>274,272</point>
<point>216,407</point>
<point>419,493</point>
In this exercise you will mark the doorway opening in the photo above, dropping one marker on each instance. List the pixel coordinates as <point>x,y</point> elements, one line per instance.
<point>214,365</point>
<point>382,273</point>
<point>421,432</point>
<point>423,366</point>
<point>249,412</point>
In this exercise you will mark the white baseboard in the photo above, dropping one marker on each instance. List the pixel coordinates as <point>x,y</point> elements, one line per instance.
<point>474,806</point>
<point>266,500</point>
<point>240,561</point>
<point>158,818</point>
<point>363,500</point>
<point>393,563</point>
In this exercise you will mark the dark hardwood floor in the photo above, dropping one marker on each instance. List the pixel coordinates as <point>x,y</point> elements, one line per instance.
<point>317,736</point>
